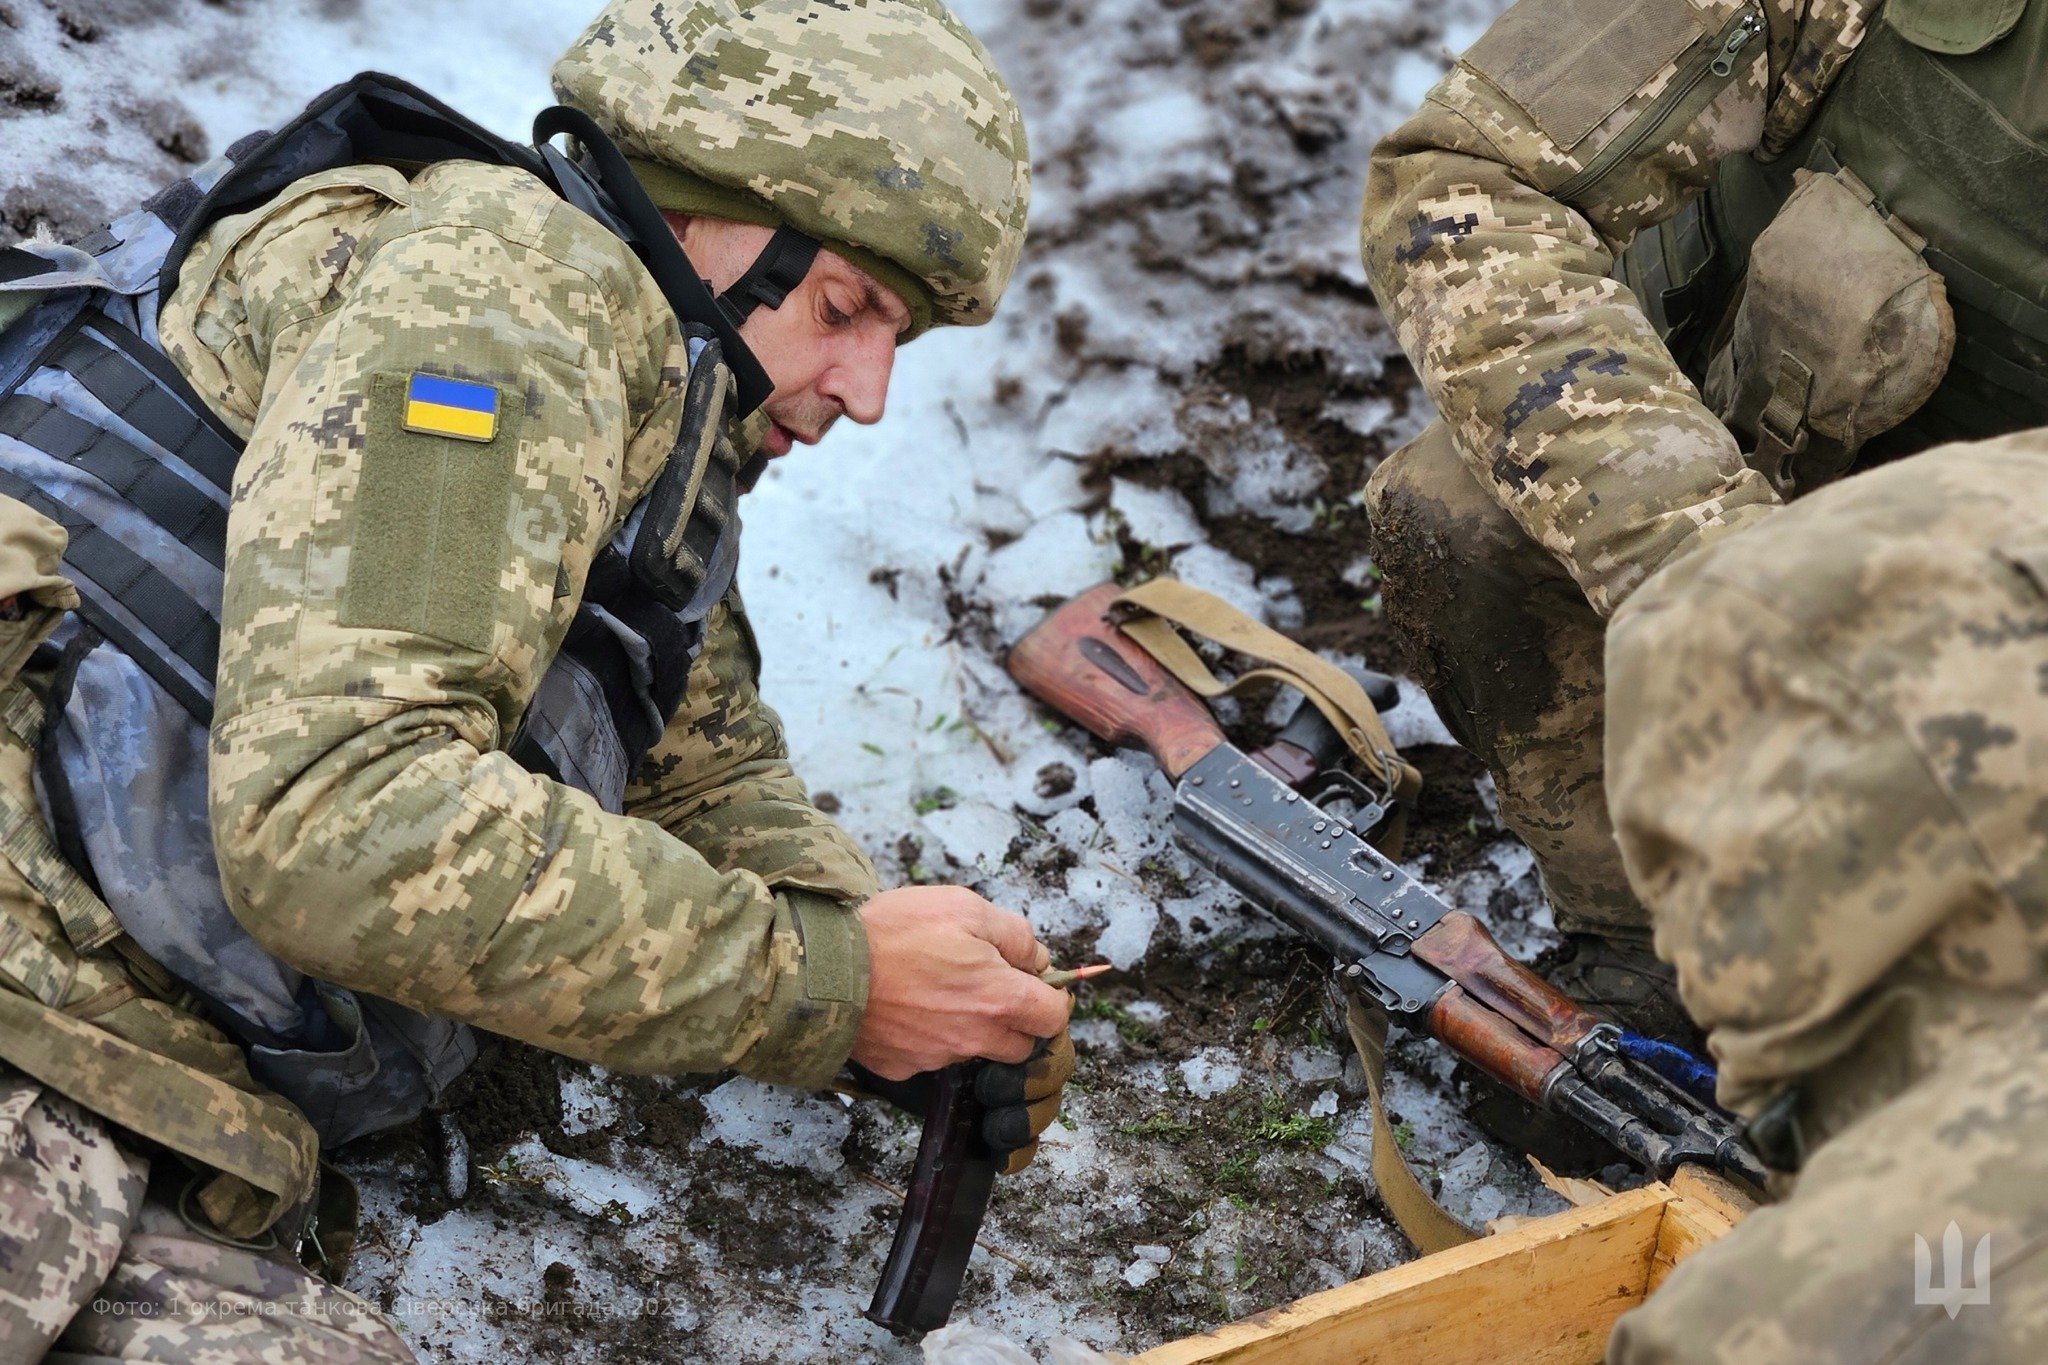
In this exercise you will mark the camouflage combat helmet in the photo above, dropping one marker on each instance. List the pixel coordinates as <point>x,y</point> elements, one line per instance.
<point>878,128</point>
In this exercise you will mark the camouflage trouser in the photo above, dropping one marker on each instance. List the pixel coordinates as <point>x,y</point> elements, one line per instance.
<point>1828,766</point>
<point>92,1261</point>
<point>1503,640</point>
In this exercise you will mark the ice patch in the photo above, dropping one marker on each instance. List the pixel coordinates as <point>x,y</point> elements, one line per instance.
<point>1075,829</point>
<point>1146,1011</point>
<point>1210,1073</point>
<point>1158,517</point>
<point>589,1104</point>
<point>1414,720</point>
<point>780,1127</point>
<point>1098,1035</point>
<point>1362,416</point>
<point>1132,801</point>
<point>1056,487</point>
<point>1055,558</point>
<point>1310,1065</point>
<point>973,834</point>
<point>1129,410</point>
<point>1512,859</point>
<point>1132,919</point>
<point>605,1191</point>
<point>1170,133</point>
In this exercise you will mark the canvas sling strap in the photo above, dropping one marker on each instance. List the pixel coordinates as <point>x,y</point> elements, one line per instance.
<point>1159,610</point>
<point>1428,1224</point>
<point>1158,607</point>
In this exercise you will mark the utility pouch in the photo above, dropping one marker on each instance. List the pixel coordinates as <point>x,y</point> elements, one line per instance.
<point>1844,330</point>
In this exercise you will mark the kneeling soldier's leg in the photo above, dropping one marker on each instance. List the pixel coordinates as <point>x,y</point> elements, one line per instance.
<point>97,1260</point>
<point>180,1293</point>
<point>68,1197</point>
<point>1509,651</point>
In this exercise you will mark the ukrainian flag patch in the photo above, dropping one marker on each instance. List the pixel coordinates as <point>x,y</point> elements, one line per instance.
<point>451,407</point>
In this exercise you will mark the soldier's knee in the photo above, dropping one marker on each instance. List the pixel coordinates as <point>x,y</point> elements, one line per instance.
<point>1423,496</point>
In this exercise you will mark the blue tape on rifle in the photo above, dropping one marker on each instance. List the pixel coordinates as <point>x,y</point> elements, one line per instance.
<point>1673,1063</point>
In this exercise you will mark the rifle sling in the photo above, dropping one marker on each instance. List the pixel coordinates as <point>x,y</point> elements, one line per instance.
<point>1164,603</point>
<point>1428,1224</point>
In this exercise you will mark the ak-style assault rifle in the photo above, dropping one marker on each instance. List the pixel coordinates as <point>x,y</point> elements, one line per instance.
<point>1423,963</point>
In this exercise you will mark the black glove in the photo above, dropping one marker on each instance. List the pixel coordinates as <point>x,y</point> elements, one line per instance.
<point>1019,1098</point>
<point>1023,1099</point>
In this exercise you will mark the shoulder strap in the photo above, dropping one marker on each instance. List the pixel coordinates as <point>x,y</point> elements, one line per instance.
<point>1428,1224</point>
<point>1164,603</point>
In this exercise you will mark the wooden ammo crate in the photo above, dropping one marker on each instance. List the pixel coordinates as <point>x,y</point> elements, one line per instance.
<point>1547,1291</point>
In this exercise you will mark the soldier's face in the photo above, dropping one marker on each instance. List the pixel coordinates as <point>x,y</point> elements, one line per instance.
<point>829,348</point>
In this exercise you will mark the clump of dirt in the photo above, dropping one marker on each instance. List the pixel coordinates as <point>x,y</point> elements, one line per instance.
<point>511,1091</point>
<point>1450,824</point>
<point>1260,389</point>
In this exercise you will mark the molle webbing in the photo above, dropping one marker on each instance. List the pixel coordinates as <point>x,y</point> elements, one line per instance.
<point>125,596</point>
<point>131,602</point>
<point>1952,147</point>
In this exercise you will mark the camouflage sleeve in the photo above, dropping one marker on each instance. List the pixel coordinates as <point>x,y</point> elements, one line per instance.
<point>720,781</point>
<point>1490,225</point>
<point>392,597</point>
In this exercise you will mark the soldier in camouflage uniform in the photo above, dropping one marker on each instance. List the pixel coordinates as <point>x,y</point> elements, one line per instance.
<point>1826,744</point>
<point>1663,265</point>
<point>393,598</point>
<point>1823,723</point>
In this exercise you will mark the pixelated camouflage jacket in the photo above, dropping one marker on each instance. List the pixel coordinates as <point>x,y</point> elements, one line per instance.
<point>1491,222</point>
<point>393,599</point>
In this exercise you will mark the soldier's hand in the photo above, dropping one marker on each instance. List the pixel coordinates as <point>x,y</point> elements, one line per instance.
<point>951,977</point>
<point>1023,1100</point>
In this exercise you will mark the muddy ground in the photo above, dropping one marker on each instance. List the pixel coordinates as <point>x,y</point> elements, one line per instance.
<point>1191,377</point>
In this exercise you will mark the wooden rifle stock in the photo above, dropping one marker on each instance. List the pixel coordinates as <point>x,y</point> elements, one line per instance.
<point>1077,662</point>
<point>1461,948</point>
<point>1492,1044</point>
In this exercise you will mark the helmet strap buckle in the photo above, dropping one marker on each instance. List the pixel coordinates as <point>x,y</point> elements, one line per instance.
<point>780,268</point>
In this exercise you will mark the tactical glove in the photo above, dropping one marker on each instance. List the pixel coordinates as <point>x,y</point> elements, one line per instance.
<point>1020,1098</point>
<point>1023,1099</point>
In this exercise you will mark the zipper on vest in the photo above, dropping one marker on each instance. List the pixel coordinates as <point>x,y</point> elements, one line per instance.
<point>1717,59</point>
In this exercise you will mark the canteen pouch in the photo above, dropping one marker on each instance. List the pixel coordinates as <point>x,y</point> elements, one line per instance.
<point>1843,331</point>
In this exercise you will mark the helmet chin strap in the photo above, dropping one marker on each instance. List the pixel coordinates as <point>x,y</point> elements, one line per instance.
<point>779,268</point>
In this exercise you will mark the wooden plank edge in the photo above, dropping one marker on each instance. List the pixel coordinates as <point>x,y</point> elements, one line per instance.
<point>1705,1186</point>
<point>1283,1328</point>
<point>1701,1211</point>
